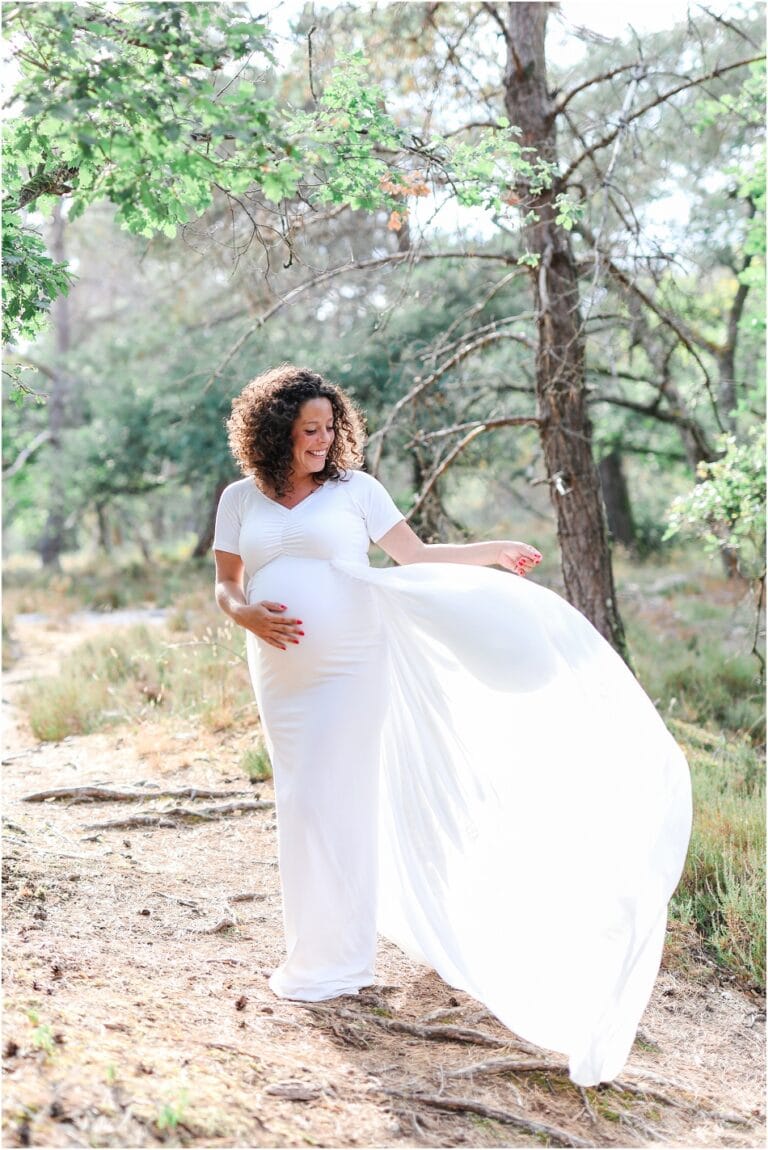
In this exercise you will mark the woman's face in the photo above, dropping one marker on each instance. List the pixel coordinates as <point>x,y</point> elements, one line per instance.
<point>312,436</point>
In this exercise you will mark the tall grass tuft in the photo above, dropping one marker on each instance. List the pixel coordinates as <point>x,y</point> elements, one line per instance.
<point>722,891</point>
<point>256,763</point>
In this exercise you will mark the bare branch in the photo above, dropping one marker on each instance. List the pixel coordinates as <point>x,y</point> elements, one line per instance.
<point>663,415</point>
<point>453,454</point>
<point>326,276</point>
<point>565,101</point>
<point>41,438</point>
<point>492,12</point>
<point>728,24</point>
<point>309,62</point>
<point>470,125</point>
<point>607,139</point>
<point>423,385</point>
<point>685,335</point>
<point>483,424</point>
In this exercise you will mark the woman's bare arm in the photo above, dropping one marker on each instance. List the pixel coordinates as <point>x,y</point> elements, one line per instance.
<point>403,545</point>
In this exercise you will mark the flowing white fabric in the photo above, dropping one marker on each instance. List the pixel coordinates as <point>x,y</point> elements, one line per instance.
<point>468,741</point>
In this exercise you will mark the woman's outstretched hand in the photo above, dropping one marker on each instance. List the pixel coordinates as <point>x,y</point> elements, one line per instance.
<point>266,620</point>
<point>518,557</point>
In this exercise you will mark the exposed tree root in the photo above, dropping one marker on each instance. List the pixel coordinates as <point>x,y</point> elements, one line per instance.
<point>506,1065</point>
<point>92,794</point>
<point>178,816</point>
<point>588,1106</point>
<point>430,1033</point>
<point>470,1106</point>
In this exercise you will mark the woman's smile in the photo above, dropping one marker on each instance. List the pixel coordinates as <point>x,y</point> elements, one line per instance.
<point>312,436</point>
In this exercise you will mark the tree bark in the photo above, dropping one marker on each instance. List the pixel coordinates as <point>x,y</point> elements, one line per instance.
<point>52,541</point>
<point>618,509</point>
<point>560,369</point>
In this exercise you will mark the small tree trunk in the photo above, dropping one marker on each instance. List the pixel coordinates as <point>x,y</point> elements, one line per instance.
<point>431,522</point>
<point>52,541</point>
<point>205,538</point>
<point>618,509</point>
<point>566,432</point>
<point>105,540</point>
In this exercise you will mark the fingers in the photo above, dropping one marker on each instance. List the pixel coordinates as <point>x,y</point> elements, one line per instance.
<point>527,560</point>
<point>274,628</point>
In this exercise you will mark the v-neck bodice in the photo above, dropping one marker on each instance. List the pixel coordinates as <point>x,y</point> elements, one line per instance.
<point>335,522</point>
<point>294,507</point>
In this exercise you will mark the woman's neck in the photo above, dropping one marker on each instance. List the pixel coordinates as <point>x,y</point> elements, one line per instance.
<point>297,489</point>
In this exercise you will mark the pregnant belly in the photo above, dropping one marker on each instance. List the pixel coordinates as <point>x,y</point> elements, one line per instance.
<point>340,620</point>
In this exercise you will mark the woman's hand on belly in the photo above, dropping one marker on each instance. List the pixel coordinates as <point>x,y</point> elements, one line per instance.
<point>267,621</point>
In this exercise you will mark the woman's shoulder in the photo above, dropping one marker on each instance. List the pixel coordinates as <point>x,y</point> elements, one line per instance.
<point>238,490</point>
<point>358,480</point>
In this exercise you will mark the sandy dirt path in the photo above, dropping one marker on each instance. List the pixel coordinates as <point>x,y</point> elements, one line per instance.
<point>137,1010</point>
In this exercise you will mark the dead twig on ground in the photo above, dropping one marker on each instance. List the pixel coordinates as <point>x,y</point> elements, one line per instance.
<point>234,1050</point>
<point>90,794</point>
<point>31,846</point>
<point>179,816</point>
<point>228,919</point>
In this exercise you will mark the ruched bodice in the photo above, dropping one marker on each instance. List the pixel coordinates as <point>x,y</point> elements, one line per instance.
<point>337,521</point>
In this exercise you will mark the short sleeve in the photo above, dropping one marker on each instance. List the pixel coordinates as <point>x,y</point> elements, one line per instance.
<point>379,509</point>
<point>226,536</point>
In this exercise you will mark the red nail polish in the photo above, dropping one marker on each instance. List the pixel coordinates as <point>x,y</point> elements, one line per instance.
<point>301,632</point>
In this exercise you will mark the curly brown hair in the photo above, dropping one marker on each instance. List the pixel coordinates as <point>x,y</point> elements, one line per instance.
<point>264,413</point>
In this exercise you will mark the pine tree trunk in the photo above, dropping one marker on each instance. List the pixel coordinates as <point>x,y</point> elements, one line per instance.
<point>618,509</point>
<point>560,376</point>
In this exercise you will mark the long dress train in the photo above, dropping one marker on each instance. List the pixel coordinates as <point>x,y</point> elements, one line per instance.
<point>534,810</point>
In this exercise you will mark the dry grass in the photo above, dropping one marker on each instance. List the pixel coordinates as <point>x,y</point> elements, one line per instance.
<point>129,674</point>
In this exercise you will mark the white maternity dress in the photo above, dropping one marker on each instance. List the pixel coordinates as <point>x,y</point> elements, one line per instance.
<point>462,761</point>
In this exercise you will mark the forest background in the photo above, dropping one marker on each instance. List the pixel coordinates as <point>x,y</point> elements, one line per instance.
<point>532,252</point>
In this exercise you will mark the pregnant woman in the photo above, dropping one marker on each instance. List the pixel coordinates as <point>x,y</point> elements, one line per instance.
<point>460,760</point>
